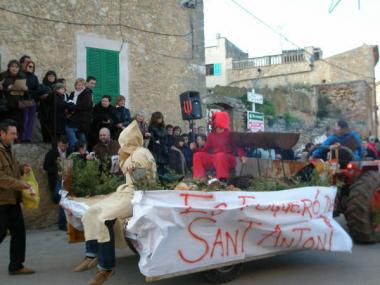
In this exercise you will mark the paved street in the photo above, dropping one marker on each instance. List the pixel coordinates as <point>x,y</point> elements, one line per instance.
<point>53,258</point>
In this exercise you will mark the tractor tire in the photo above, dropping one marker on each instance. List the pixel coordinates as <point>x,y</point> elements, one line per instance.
<point>358,213</point>
<point>223,274</point>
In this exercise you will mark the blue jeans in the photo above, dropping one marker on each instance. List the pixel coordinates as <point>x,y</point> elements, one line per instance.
<point>105,251</point>
<point>71,134</point>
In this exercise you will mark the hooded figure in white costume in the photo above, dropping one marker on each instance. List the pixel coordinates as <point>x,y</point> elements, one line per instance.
<point>103,221</point>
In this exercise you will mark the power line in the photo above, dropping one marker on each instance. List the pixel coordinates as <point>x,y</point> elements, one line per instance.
<point>94,24</point>
<point>296,45</point>
<point>333,5</point>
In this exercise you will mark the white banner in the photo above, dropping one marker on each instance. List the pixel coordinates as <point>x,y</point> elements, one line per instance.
<point>178,231</point>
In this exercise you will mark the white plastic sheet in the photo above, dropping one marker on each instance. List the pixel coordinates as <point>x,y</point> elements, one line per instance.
<point>185,230</point>
<point>74,210</point>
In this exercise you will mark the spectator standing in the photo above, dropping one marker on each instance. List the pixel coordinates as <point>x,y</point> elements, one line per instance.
<point>52,166</point>
<point>200,141</point>
<point>104,116</point>
<point>157,142</point>
<point>79,122</point>
<point>123,116</point>
<point>33,93</point>
<point>193,134</point>
<point>202,130</point>
<point>187,152</point>
<point>169,129</point>
<point>57,118</point>
<point>44,111</point>
<point>58,151</point>
<point>14,88</point>
<point>143,125</point>
<point>177,160</point>
<point>24,58</point>
<point>11,217</point>
<point>177,131</point>
<point>63,81</point>
<point>79,86</point>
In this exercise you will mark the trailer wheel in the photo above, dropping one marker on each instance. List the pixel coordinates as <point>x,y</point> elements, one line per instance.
<point>223,274</point>
<point>359,208</point>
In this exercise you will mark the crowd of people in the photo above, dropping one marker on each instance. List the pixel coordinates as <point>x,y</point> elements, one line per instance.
<point>80,129</point>
<point>74,115</point>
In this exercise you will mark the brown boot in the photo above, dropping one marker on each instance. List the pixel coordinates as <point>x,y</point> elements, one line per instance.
<point>22,271</point>
<point>86,264</point>
<point>100,277</point>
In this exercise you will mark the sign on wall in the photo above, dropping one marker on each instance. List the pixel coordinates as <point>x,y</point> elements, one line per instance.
<point>255,121</point>
<point>255,98</point>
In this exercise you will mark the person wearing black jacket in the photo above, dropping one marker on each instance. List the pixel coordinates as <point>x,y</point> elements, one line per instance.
<point>79,122</point>
<point>123,116</point>
<point>157,142</point>
<point>104,116</point>
<point>57,116</point>
<point>177,160</point>
<point>52,168</point>
<point>12,95</point>
<point>33,93</point>
<point>44,110</point>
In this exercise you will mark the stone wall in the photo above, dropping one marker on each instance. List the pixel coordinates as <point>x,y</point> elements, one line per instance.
<point>160,67</point>
<point>47,214</point>
<point>236,109</point>
<point>351,101</point>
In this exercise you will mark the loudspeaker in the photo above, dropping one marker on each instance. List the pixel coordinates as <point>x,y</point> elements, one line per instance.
<point>190,105</point>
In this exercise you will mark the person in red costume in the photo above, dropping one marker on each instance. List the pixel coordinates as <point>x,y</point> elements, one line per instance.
<point>219,151</point>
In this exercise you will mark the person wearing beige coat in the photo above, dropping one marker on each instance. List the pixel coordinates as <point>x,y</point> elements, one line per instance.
<point>103,221</point>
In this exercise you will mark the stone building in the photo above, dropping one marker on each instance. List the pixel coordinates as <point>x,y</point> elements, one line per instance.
<point>149,51</point>
<point>305,68</point>
<point>219,59</point>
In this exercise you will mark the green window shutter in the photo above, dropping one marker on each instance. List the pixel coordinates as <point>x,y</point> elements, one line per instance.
<point>110,74</point>
<point>93,66</point>
<point>104,65</point>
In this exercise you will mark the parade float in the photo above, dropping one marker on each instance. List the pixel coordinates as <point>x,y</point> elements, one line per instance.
<point>270,207</point>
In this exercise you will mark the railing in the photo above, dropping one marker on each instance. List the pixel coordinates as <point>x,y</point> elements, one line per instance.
<point>292,57</point>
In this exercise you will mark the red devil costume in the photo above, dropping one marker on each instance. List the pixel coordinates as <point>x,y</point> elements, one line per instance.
<point>219,151</point>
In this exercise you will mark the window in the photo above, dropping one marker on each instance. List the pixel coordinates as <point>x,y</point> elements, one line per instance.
<point>217,69</point>
<point>213,69</point>
<point>209,69</point>
<point>104,65</point>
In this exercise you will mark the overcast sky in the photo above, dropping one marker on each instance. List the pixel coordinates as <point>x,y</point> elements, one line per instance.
<point>305,22</point>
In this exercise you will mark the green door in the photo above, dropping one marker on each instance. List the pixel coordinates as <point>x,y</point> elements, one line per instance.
<point>104,65</point>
